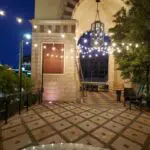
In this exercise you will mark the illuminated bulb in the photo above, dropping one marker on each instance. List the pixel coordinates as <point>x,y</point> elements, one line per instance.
<point>61,56</point>
<point>127,47</point>
<point>2,13</point>
<point>105,43</point>
<point>119,51</point>
<point>130,44</point>
<point>103,54</point>
<point>114,44</point>
<point>86,33</point>
<point>123,44</point>
<point>19,20</point>
<point>56,56</point>
<point>136,45</point>
<point>85,41</point>
<point>27,43</point>
<point>49,31</point>
<point>52,55</point>
<point>35,26</point>
<point>47,54</point>
<point>90,56</point>
<point>62,49</point>
<point>96,55</point>
<point>96,43</point>
<point>83,56</point>
<point>44,47</point>
<point>53,48</point>
<point>63,35</point>
<point>90,34</point>
<point>35,45</point>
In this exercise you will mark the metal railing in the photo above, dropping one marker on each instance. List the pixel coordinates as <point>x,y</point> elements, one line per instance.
<point>13,103</point>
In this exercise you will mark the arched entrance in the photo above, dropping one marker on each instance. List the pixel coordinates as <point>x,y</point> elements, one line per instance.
<point>61,23</point>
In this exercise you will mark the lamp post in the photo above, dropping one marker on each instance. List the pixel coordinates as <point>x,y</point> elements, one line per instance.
<point>25,37</point>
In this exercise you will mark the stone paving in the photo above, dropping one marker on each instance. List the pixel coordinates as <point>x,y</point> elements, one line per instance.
<point>101,122</point>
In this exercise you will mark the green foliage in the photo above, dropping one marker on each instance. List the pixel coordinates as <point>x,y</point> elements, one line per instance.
<point>27,83</point>
<point>133,26</point>
<point>8,80</point>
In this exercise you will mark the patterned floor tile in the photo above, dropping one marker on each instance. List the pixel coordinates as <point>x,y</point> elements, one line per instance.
<point>85,108</point>
<point>70,107</point>
<point>36,124</point>
<point>146,115</point>
<point>104,135</point>
<point>59,110</point>
<point>107,115</point>
<point>77,110</point>
<point>86,114</point>
<point>95,111</point>
<point>30,118</point>
<point>11,123</point>
<point>87,126</point>
<point>141,127</point>
<point>114,111</point>
<point>89,140</point>
<point>66,114</point>
<point>52,106</point>
<point>46,113</point>
<point>113,126</point>
<point>99,120</point>
<point>72,134</point>
<point>53,118</point>
<point>17,142</point>
<point>144,120</point>
<point>11,132</point>
<point>53,139</point>
<point>128,116</point>
<point>42,109</point>
<point>76,119</point>
<point>122,120</point>
<point>124,144</point>
<point>61,125</point>
<point>133,112</point>
<point>28,113</point>
<point>135,136</point>
<point>42,132</point>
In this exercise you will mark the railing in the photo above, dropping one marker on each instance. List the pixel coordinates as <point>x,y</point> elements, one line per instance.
<point>15,103</point>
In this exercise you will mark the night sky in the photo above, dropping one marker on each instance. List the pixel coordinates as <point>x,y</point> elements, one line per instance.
<point>11,32</point>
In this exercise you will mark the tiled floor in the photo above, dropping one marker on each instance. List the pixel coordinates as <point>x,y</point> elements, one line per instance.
<point>100,121</point>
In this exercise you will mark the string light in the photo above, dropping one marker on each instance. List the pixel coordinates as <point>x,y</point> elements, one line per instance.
<point>35,45</point>
<point>136,45</point>
<point>44,47</point>
<point>19,20</point>
<point>35,26</point>
<point>49,31</point>
<point>2,13</point>
<point>53,48</point>
<point>63,36</point>
<point>85,41</point>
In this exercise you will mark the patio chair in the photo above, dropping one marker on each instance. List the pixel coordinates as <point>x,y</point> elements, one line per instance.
<point>133,97</point>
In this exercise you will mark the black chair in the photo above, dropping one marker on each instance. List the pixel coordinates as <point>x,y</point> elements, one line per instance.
<point>132,97</point>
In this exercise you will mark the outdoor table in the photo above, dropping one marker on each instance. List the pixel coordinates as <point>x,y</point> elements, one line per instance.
<point>64,146</point>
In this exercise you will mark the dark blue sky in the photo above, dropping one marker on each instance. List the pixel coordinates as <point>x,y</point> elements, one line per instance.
<point>11,32</point>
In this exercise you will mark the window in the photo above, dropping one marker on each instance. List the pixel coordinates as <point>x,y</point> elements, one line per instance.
<point>53,58</point>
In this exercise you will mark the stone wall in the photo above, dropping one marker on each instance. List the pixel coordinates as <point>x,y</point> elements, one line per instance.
<point>65,86</point>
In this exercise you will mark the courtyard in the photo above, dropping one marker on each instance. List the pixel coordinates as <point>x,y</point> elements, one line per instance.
<point>100,121</point>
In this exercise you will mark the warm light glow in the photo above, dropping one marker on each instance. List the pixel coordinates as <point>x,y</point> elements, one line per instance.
<point>53,48</point>
<point>35,26</point>
<point>47,54</point>
<point>123,44</point>
<point>2,13</point>
<point>44,47</point>
<point>49,31</point>
<point>35,45</point>
<point>114,44</point>
<point>19,20</point>
<point>62,49</point>
<point>71,50</point>
<point>136,45</point>
<point>96,43</point>
<point>63,35</point>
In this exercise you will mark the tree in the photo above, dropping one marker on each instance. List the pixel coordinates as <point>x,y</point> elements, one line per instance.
<point>132,35</point>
